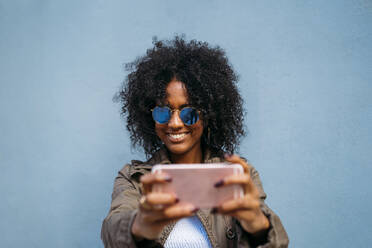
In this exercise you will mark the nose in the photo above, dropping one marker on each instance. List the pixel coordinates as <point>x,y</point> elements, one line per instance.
<point>175,121</point>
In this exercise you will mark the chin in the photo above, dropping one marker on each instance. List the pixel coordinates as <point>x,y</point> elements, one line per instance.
<point>177,149</point>
<point>182,148</point>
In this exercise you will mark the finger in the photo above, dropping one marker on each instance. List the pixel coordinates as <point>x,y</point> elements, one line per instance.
<point>160,220</point>
<point>247,215</point>
<point>151,215</point>
<point>179,211</point>
<point>143,203</point>
<point>161,198</point>
<point>234,179</point>
<point>152,178</point>
<point>235,159</point>
<point>245,203</point>
<point>247,168</point>
<point>148,180</point>
<point>171,213</point>
<point>243,179</point>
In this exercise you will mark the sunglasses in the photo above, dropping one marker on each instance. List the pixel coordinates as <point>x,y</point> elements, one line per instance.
<point>188,115</point>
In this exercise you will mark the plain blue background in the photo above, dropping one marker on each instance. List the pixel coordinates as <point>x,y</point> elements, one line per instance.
<point>305,74</point>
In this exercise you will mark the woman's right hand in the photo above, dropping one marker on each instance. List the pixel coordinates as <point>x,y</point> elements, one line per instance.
<point>156,210</point>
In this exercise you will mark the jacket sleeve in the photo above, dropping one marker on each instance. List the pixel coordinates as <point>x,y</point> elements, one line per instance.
<point>276,235</point>
<point>116,227</point>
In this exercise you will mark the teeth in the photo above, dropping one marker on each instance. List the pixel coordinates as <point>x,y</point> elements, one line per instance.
<point>177,136</point>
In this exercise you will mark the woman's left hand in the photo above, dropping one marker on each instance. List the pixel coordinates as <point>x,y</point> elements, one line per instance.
<point>247,209</point>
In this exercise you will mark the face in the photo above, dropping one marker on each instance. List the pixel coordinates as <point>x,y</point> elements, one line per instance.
<point>177,137</point>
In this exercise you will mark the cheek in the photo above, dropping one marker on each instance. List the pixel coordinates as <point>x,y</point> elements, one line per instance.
<point>198,130</point>
<point>159,130</point>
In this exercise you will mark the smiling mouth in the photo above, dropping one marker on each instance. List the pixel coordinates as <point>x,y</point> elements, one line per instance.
<point>177,137</point>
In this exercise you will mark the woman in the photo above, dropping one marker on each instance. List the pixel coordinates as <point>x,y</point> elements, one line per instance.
<point>182,106</point>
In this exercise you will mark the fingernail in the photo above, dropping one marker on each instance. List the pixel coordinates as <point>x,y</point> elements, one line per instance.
<point>195,210</point>
<point>219,184</point>
<point>168,179</point>
<point>214,210</point>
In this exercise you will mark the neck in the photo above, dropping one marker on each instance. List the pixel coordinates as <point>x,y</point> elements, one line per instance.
<point>192,157</point>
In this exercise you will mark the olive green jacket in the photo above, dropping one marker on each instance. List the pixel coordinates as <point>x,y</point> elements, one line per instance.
<point>223,231</point>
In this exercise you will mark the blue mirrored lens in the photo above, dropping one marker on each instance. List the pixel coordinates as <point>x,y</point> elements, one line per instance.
<point>161,114</point>
<point>189,116</point>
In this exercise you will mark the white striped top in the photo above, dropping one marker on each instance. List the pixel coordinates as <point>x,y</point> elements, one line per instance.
<point>188,233</point>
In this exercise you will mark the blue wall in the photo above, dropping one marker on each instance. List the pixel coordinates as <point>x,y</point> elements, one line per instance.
<point>305,74</point>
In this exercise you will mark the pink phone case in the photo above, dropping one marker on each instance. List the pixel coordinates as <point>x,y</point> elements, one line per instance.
<point>194,183</point>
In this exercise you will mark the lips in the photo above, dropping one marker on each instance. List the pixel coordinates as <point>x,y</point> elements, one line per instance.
<point>177,137</point>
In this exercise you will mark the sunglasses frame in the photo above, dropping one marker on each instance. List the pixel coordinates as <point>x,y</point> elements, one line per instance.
<point>174,110</point>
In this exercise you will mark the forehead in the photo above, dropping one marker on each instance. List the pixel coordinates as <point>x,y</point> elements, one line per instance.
<point>176,94</point>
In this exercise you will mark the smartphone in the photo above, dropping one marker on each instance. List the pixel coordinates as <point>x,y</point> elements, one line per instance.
<point>194,183</point>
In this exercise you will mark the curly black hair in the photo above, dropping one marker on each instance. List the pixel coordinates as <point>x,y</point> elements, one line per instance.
<point>209,80</point>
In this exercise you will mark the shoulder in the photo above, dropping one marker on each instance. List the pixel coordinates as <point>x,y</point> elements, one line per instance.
<point>129,167</point>
<point>136,168</point>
